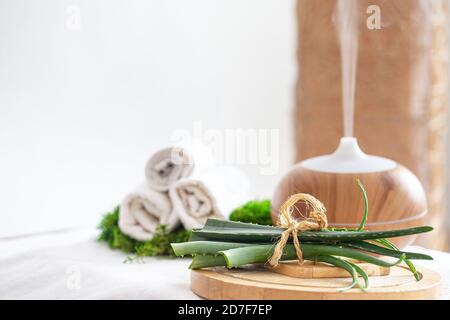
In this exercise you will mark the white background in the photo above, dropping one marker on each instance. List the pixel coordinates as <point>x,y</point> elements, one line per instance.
<point>81,109</point>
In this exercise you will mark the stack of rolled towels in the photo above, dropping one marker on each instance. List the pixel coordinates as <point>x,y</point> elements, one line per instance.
<point>170,195</point>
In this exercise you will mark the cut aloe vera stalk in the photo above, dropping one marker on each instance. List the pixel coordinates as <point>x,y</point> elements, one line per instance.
<point>207,261</point>
<point>205,247</point>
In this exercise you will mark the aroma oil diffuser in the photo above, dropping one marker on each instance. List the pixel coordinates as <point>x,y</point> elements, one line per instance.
<point>396,197</point>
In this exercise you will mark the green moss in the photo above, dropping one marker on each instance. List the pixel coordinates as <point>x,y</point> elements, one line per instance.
<point>111,234</point>
<point>159,245</point>
<point>256,211</point>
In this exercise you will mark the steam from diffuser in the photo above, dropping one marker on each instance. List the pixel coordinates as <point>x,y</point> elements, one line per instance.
<point>347,26</point>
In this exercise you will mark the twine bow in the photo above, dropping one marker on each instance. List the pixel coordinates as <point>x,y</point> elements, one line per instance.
<point>316,220</point>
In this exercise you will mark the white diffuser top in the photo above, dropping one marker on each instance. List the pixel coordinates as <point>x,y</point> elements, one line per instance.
<point>348,158</point>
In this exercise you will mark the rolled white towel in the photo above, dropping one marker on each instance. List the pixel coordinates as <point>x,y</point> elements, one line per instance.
<point>168,166</point>
<point>193,203</point>
<point>142,210</point>
<point>229,185</point>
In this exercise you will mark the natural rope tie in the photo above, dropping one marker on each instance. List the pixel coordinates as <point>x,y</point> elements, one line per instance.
<point>316,220</point>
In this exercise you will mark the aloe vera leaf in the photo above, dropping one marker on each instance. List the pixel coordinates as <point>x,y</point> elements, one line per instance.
<point>365,213</point>
<point>207,261</point>
<point>268,235</point>
<point>238,234</point>
<point>366,206</point>
<point>195,237</point>
<point>205,247</point>
<point>218,223</point>
<point>408,262</point>
<point>340,229</point>
<point>254,254</point>
<point>370,247</point>
<point>344,265</point>
<point>261,253</point>
<point>348,253</point>
<point>362,273</point>
<point>236,224</point>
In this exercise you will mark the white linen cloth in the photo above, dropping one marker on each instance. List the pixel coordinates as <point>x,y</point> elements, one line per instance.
<point>167,166</point>
<point>142,210</point>
<point>75,266</point>
<point>72,265</point>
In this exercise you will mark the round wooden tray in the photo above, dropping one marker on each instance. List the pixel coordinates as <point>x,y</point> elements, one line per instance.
<point>257,282</point>
<point>310,270</point>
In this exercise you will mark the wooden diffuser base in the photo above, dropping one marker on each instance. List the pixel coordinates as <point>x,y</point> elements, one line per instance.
<point>396,197</point>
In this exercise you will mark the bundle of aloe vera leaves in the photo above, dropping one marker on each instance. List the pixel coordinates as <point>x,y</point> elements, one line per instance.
<point>235,244</point>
